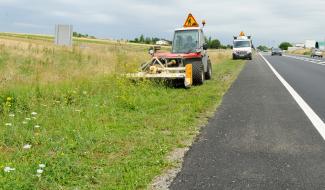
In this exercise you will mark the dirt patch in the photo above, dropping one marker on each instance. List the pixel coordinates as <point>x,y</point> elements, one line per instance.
<point>163,182</point>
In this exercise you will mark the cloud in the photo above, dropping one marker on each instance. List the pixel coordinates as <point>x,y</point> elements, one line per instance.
<point>268,21</point>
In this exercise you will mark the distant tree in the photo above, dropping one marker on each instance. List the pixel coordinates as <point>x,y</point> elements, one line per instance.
<point>79,35</point>
<point>262,48</point>
<point>141,39</point>
<point>215,44</point>
<point>154,40</point>
<point>285,45</point>
<point>147,40</point>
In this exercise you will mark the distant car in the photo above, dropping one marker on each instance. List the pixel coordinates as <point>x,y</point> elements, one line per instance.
<point>317,53</point>
<point>276,51</point>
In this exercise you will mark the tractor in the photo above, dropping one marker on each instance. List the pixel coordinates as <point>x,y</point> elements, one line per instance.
<point>188,60</point>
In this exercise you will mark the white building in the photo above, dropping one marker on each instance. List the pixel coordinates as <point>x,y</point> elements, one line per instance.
<point>294,48</point>
<point>299,45</point>
<point>310,43</point>
<point>162,43</point>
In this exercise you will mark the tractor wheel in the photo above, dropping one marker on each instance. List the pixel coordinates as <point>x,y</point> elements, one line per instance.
<point>198,72</point>
<point>208,74</point>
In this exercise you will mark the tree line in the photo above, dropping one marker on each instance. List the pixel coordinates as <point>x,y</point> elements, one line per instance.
<point>216,44</point>
<point>79,35</point>
<point>212,43</point>
<point>147,40</point>
<point>283,46</point>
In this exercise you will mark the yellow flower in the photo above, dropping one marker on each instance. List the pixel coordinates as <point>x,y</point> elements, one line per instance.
<point>9,99</point>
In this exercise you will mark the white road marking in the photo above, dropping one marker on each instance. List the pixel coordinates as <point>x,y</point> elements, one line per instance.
<point>313,117</point>
<point>315,61</point>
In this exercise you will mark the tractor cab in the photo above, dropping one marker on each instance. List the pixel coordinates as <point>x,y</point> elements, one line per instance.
<point>188,40</point>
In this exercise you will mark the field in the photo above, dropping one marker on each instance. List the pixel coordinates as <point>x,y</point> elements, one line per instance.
<point>71,111</point>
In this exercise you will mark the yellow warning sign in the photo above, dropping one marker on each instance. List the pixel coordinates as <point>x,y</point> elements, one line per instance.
<point>242,33</point>
<point>190,22</point>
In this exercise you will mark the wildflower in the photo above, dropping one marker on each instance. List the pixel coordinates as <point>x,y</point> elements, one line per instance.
<point>8,124</point>
<point>9,99</point>
<point>34,113</point>
<point>34,118</point>
<point>84,92</point>
<point>8,169</point>
<point>27,146</point>
<point>41,165</point>
<point>27,118</point>
<point>39,171</point>
<point>37,126</point>
<point>78,110</point>
<point>11,115</point>
<point>24,122</point>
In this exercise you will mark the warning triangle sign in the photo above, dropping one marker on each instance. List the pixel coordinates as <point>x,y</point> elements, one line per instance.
<point>190,22</point>
<point>242,33</point>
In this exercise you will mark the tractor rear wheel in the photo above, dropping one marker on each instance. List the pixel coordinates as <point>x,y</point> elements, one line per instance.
<point>198,72</point>
<point>208,74</point>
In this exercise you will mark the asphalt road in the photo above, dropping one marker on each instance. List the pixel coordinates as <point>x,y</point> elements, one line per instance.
<point>260,138</point>
<point>307,78</point>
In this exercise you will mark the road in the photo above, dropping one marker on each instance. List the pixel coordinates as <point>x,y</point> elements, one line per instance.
<point>260,137</point>
<point>306,77</point>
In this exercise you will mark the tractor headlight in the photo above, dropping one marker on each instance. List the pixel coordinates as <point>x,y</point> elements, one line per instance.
<point>151,51</point>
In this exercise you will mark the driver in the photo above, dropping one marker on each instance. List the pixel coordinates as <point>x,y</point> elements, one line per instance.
<point>189,45</point>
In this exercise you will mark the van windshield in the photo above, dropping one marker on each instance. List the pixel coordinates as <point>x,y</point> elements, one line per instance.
<point>185,41</point>
<point>241,44</point>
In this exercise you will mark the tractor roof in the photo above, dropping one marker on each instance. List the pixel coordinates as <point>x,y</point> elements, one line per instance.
<point>188,28</point>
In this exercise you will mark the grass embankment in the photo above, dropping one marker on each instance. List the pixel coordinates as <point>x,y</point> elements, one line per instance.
<point>301,52</point>
<point>306,52</point>
<point>91,128</point>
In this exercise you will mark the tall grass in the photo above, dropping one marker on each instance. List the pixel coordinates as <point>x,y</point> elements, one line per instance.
<point>25,63</point>
<point>90,127</point>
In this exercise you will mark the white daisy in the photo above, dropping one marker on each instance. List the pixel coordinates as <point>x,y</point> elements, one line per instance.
<point>8,124</point>
<point>39,171</point>
<point>8,169</point>
<point>41,165</point>
<point>34,113</point>
<point>37,126</point>
<point>25,122</point>
<point>11,115</point>
<point>27,146</point>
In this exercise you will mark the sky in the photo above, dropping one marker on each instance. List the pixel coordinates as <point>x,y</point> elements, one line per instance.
<point>268,21</point>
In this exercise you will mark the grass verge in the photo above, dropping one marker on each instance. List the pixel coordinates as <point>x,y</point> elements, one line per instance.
<point>101,131</point>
